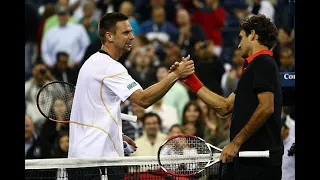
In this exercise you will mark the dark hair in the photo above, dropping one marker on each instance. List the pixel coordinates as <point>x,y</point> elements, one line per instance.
<point>57,152</point>
<point>151,114</point>
<point>61,53</point>
<point>176,125</point>
<point>107,23</point>
<point>199,124</point>
<point>267,31</point>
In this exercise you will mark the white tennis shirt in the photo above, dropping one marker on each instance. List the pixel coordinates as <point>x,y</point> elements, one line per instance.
<point>102,84</point>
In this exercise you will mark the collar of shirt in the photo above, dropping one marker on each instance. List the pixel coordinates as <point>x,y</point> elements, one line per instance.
<point>250,58</point>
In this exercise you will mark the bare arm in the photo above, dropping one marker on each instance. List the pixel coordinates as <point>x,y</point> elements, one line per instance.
<point>154,93</point>
<point>223,106</point>
<point>258,118</point>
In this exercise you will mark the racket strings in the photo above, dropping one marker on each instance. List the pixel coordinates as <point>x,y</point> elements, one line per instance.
<point>184,155</point>
<point>55,101</point>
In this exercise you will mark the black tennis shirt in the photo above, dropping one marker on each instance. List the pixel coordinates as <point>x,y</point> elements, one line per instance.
<point>260,74</point>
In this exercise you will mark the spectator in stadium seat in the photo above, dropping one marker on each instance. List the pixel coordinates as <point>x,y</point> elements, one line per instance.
<point>167,113</point>
<point>286,60</point>
<point>285,39</point>
<point>208,118</point>
<point>143,70</point>
<point>211,16</point>
<point>152,138</point>
<point>172,53</point>
<point>88,21</point>
<point>40,76</point>
<point>36,147</point>
<point>144,8</point>
<point>49,10</point>
<point>78,12</point>
<point>71,38</point>
<point>140,41</point>
<point>189,33</point>
<point>126,8</point>
<point>53,21</point>
<point>158,27</point>
<point>61,145</point>
<point>61,71</point>
<point>192,121</point>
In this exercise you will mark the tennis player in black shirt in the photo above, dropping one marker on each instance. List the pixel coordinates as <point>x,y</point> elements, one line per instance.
<point>255,105</point>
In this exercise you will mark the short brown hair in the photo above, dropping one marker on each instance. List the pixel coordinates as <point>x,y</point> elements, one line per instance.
<point>266,30</point>
<point>108,22</point>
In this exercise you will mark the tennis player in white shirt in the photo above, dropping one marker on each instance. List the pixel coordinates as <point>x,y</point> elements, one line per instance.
<point>101,86</point>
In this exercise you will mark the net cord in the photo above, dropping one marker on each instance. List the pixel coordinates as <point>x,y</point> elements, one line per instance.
<point>106,161</point>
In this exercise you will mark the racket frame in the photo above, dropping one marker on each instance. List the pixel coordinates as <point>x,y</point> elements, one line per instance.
<point>212,160</point>
<point>38,104</point>
<point>125,117</point>
<point>183,136</point>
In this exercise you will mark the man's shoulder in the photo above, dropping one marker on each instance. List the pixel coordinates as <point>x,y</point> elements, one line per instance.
<point>103,57</point>
<point>264,60</point>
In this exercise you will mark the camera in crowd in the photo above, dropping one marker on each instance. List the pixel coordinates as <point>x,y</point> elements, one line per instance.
<point>204,45</point>
<point>43,71</point>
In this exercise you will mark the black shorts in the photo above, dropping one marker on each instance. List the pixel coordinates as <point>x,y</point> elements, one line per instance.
<point>251,169</point>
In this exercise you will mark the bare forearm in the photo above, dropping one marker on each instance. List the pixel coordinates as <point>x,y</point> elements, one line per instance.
<point>220,104</point>
<point>155,92</point>
<point>258,118</point>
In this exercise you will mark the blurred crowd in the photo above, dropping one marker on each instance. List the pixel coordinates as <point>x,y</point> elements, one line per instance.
<point>61,34</point>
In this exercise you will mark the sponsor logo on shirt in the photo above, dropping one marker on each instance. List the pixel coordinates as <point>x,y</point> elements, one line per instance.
<point>131,85</point>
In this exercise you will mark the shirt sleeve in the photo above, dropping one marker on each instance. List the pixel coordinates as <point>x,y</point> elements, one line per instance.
<point>120,82</point>
<point>264,76</point>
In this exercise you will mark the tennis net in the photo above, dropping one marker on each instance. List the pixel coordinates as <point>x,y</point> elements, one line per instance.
<point>126,168</point>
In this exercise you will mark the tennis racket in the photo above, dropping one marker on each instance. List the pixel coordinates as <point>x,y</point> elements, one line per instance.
<point>187,155</point>
<point>54,101</point>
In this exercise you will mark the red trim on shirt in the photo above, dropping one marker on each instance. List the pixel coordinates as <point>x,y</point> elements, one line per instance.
<point>250,58</point>
<point>264,51</point>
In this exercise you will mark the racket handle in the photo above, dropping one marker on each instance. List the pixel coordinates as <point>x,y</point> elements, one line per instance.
<point>127,117</point>
<point>254,154</point>
<point>128,149</point>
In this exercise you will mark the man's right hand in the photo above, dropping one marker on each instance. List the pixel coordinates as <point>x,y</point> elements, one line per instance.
<point>183,69</point>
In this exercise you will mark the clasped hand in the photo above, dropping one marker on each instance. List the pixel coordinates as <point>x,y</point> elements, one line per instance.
<point>184,68</point>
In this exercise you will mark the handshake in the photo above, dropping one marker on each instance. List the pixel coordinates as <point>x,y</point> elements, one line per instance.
<point>185,71</point>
